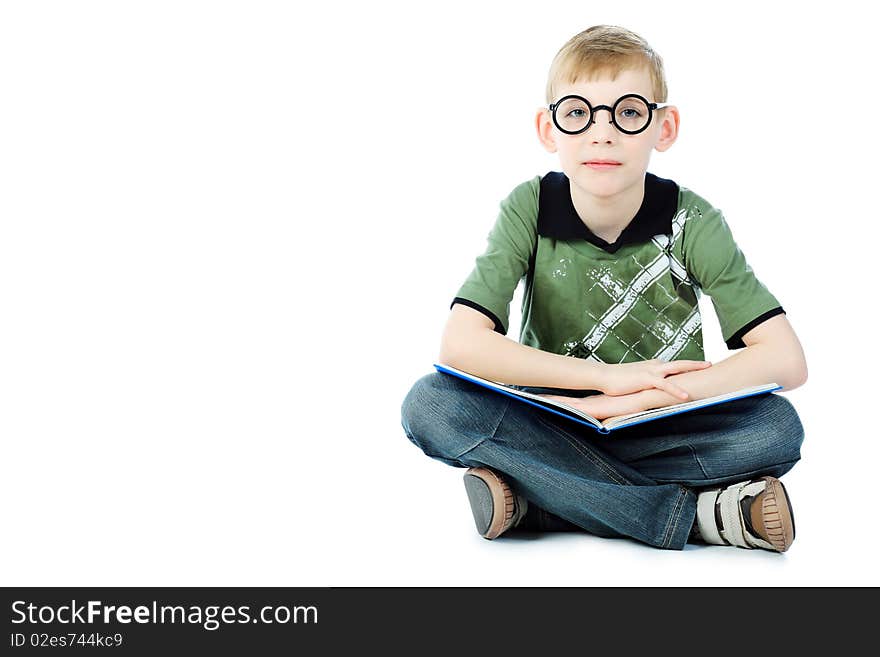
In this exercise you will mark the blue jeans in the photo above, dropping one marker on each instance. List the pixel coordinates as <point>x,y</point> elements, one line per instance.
<point>639,482</point>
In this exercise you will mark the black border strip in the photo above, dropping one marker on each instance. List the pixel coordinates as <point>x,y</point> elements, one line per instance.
<point>843,615</point>
<point>736,342</point>
<point>499,327</point>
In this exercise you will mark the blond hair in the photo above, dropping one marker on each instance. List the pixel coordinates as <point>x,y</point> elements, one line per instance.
<point>605,50</point>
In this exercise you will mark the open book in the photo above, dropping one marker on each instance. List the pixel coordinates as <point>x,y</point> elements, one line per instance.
<point>610,423</point>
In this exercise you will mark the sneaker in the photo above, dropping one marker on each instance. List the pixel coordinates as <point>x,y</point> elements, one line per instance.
<point>495,506</point>
<point>749,514</point>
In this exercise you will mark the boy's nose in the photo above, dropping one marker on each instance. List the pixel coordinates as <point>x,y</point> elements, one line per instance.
<point>602,130</point>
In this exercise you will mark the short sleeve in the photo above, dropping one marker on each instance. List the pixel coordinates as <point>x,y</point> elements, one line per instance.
<point>718,266</point>
<point>496,273</point>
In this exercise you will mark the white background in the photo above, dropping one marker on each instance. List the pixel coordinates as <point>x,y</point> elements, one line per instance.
<point>231,232</point>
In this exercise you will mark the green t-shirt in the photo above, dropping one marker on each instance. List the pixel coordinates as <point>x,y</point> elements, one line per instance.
<point>635,299</point>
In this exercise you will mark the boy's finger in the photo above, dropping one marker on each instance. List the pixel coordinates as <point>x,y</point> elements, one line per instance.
<point>675,366</point>
<point>673,390</point>
<point>694,364</point>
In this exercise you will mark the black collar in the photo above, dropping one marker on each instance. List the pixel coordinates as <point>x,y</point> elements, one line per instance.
<point>557,217</point>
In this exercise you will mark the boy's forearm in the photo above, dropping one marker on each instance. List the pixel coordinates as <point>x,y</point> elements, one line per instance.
<point>493,356</point>
<point>754,365</point>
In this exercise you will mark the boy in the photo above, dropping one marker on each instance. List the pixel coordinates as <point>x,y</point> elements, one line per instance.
<point>614,259</point>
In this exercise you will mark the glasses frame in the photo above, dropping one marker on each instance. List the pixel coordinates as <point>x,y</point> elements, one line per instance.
<point>652,107</point>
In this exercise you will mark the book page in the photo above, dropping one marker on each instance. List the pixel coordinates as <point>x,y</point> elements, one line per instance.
<point>506,389</point>
<point>561,406</point>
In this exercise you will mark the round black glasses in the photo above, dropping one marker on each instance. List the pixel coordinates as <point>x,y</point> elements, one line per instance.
<point>631,114</point>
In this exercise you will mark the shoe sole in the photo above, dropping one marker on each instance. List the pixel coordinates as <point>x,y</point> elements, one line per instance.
<point>491,500</point>
<point>777,515</point>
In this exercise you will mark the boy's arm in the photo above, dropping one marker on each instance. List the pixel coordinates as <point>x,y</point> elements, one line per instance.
<point>470,343</point>
<point>773,354</point>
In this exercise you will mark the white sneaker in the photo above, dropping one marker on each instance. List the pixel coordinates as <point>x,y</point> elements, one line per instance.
<point>749,514</point>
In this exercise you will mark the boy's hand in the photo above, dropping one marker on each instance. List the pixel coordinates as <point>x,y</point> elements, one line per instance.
<point>602,407</point>
<point>625,378</point>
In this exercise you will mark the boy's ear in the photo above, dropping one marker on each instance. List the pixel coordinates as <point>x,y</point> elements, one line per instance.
<point>544,125</point>
<point>668,128</point>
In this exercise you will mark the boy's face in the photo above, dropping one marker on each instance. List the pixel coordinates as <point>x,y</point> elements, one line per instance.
<point>602,140</point>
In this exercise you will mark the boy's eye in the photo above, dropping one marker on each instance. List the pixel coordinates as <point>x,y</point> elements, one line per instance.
<point>577,113</point>
<point>630,113</point>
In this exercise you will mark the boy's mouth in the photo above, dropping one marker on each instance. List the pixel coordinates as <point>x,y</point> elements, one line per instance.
<point>602,164</point>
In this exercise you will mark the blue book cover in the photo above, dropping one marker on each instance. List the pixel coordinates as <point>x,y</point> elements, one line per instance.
<point>608,425</point>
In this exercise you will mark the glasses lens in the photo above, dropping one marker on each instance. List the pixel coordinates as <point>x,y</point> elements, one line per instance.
<point>631,114</point>
<point>572,115</point>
